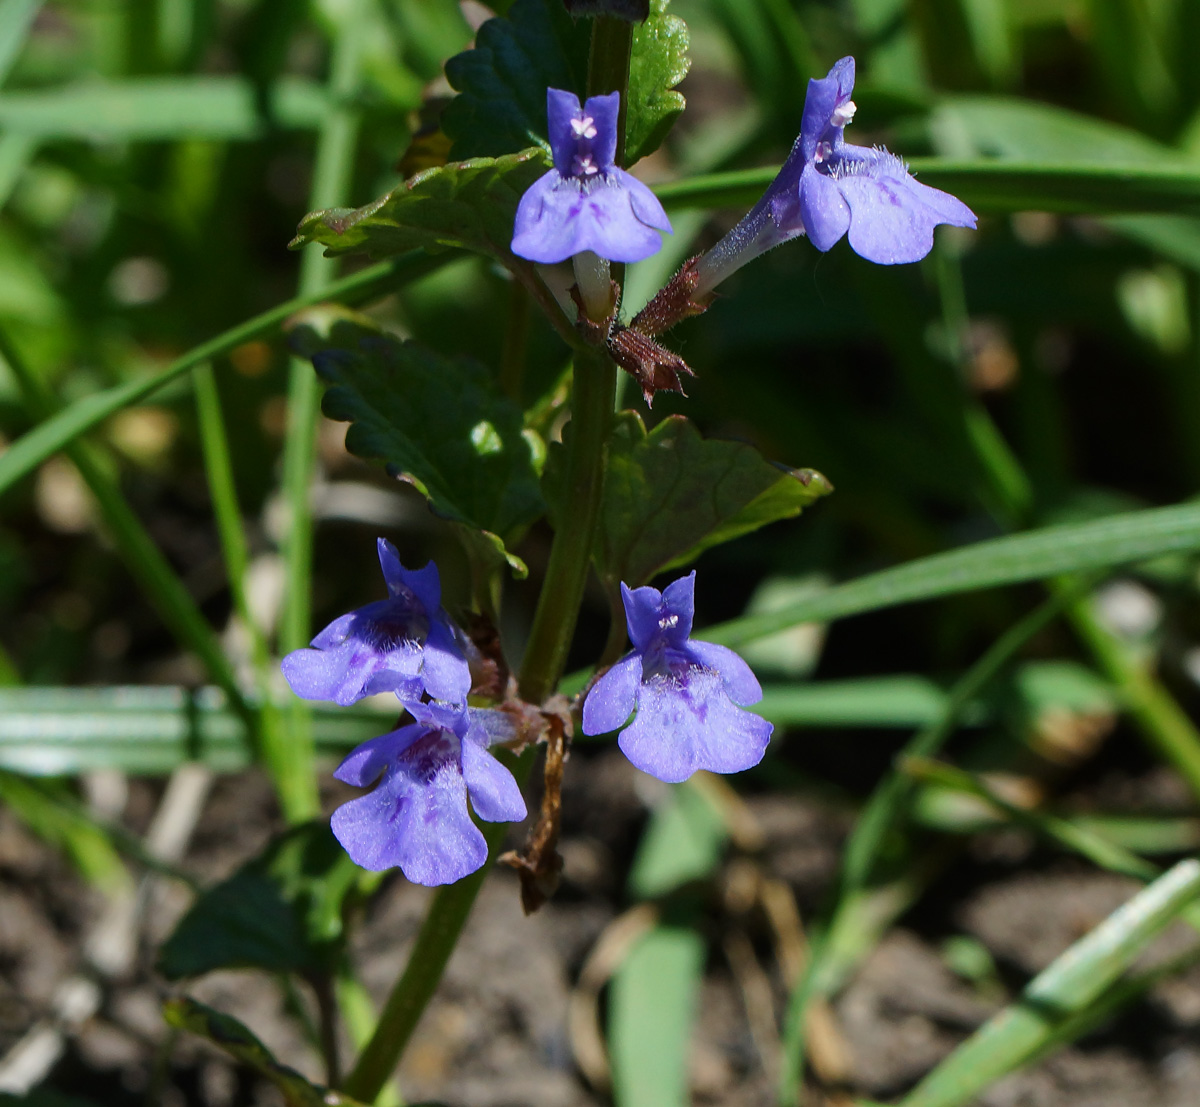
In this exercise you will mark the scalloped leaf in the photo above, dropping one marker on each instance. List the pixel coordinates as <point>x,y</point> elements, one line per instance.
<point>502,81</point>
<point>437,422</point>
<point>281,911</point>
<point>467,205</point>
<point>671,494</point>
<point>659,62</point>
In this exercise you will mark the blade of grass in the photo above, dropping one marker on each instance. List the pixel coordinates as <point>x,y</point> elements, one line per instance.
<point>147,730</point>
<point>223,491</point>
<point>1066,989</point>
<point>16,17</point>
<point>1033,555</point>
<point>1159,719</point>
<point>63,427</point>
<point>332,174</point>
<point>160,109</point>
<point>885,807</point>
<point>141,555</point>
<point>652,1005</point>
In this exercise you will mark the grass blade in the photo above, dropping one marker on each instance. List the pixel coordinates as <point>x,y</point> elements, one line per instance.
<point>653,1002</point>
<point>62,428</point>
<point>160,108</point>
<point>1065,989</point>
<point>1033,555</point>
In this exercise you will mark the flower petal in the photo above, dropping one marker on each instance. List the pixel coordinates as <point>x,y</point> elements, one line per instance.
<point>641,614</point>
<point>604,111</point>
<point>337,674</point>
<point>494,791</point>
<point>421,825</point>
<point>645,204</point>
<point>825,213</point>
<point>335,633</point>
<point>689,723</point>
<point>679,600</point>
<point>445,673</point>
<point>363,764</point>
<point>613,697</point>
<point>824,95</point>
<point>740,682</point>
<point>561,108</point>
<point>892,215</point>
<point>540,228</point>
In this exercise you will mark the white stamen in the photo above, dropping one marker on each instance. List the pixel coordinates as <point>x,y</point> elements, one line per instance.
<point>585,127</point>
<point>843,113</point>
<point>584,166</point>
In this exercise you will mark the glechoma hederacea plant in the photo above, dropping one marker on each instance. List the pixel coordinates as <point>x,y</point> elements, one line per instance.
<point>687,698</point>
<point>529,225</point>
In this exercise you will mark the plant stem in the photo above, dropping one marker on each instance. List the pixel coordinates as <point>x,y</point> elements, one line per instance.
<point>593,388</point>
<point>294,777</point>
<point>436,940</point>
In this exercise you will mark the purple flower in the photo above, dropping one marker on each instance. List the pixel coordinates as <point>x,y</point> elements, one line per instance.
<point>405,644</point>
<point>828,187</point>
<point>417,816</point>
<point>688,695</point>
<point>586,202</point>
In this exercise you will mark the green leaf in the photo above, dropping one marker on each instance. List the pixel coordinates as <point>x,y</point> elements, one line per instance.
<point>467,205</point>
<point>682,842</point>
<point>670,495</point>
<point>147,730</point>
<point>469,458</point>
<point>16,18</point>
<point>658,63</point>
<point>231,1036</point>
<point>280,912</point>
<point>1008,127</point>
<point>1073,982</point>
<point>502,82</point>
<point>652,1006</point>
<point>163,108</point>
<point>1035,555</point>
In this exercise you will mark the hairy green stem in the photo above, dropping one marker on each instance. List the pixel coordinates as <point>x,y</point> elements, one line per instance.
<point>593,387</point>
<point>292,769</point>
<point>436,940</point>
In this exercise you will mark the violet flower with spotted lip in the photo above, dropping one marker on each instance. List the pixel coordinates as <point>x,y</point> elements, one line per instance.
<point>586,202</point>
<point>829,187</point>
<point>417,817</point>
<point>405,644</point>
<point>688,695</point>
